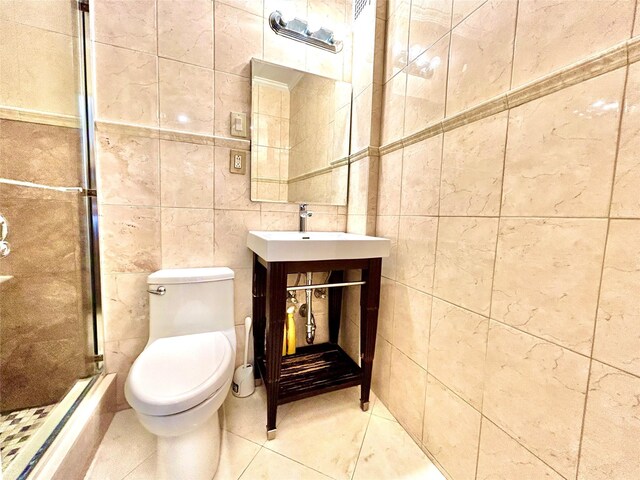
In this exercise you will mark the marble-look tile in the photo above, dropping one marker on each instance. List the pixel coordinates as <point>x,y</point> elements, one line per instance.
<point>526,378</point>
<point>231,227</point>
<point>397,40</point>
<point>324,433</point>
<point>387,227</point>
<point>411,319</point>
<point>187,174</point>
<point>125,445</point>
<point>463,8</point>
<point>187,237</point>
<point>381,374</point>
<point>232,191</point>
<point>636,28</point>
<point>502,458</point>
<point>626,201</point>
<point>130,238</point>
<point>407,385</point>
<point>457,348</point>
<point>38,69</point>
<point>380,410</point>
<point>245,417</point>
<point>416,251</point>
<point>53,15</point>
<point>480,58</point>
<point>127,85</point>
<point>388,290</point>
<point>185,31</point>
<point>44,236</point>
<point>231,24</point>
<point>388,452</point>
<point>389,183</point>
<point>421,177</point>
<point>278,221</point>
<point>186,97</point>
<point>125,305</point>
<point>554,33</point>
<point>464,261</point>
<point>268,465</point>
<point>430,20</point>
<point>361,124</point>
<point>119,355</point>
<point>451,430</point>
<point>393,108</point>
<point>578,124</point>
<point>128,169</point>
<point>232,94</point>
<point>547,278</point>
<point>426,88</point>
<point>611,426</point>
<point>54,316</point>
<point>127,24</point>
<point>472,161</point>
<point>53,152</point>
<point>617,340</point>
<point>242,294</point>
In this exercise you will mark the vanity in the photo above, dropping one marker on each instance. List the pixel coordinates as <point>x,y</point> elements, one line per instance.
<point>323,367</point>
<point>300,153</point>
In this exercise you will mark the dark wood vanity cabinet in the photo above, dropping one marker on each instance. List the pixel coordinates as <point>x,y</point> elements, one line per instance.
<point>318,368</point>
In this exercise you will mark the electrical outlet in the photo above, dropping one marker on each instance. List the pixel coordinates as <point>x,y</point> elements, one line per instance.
<point>238,124</point>
<point>238,162</point>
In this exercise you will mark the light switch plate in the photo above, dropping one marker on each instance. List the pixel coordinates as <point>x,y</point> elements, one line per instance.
<point>238,124</point>
<point>238,162</point>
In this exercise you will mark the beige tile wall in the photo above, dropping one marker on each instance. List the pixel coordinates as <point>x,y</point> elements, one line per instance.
<point>508,334</point>
<point>184,66</point>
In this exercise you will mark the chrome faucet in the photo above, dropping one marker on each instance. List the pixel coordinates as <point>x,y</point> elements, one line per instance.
<point>304,214</point>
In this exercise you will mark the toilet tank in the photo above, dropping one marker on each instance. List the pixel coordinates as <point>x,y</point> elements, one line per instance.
<point>184,301</point>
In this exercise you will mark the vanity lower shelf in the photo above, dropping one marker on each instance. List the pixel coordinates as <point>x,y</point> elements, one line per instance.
<point>313,370</point>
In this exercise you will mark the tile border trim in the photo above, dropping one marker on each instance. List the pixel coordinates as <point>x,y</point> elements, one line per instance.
<point>35,116</point>
<point>105,126</point>
<point>618,56</point>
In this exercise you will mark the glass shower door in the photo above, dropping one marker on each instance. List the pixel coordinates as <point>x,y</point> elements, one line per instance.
<point>47,271</point>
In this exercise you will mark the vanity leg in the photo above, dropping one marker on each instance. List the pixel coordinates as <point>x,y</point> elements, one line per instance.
<point>259,307</point>
<point>276,312</point>
<point>335,305</point>
<point>369,304</point>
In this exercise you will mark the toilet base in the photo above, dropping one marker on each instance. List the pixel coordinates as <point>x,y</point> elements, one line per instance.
<point>194,455</point>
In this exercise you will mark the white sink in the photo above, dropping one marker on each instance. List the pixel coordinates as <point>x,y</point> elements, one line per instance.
<point>297,246</point>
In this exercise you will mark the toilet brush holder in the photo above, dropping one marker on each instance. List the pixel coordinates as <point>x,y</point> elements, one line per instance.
<point>243,382</point>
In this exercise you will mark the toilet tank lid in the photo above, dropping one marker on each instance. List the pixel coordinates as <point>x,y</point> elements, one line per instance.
<point>190,275</point>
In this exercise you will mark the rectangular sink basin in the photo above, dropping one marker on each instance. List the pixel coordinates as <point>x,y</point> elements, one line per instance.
<point>309,246</point>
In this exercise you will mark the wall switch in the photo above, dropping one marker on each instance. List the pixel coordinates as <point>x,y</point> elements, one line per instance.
<point>238,124</point>
<point>238,162</point>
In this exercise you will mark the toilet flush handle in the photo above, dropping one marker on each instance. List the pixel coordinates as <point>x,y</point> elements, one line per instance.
<point>158,291</point>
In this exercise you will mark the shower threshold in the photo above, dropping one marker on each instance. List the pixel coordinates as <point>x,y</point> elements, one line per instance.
<point>30,450</point>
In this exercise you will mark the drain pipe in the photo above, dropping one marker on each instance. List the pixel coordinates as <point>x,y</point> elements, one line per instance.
<point>311,321</point>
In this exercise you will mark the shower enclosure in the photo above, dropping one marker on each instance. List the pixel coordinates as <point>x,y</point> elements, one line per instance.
<point>50,350</point>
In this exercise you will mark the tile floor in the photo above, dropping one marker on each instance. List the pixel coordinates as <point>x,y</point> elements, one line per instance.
<point>318,438</point>
<point>17,427</point>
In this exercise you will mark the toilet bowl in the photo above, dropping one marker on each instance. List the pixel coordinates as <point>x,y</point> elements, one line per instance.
<point>184,374</point>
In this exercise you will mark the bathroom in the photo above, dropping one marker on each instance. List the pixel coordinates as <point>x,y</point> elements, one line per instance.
<point>418,219</point>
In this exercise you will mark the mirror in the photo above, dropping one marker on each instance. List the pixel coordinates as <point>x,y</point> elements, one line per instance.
<point>300,124</point>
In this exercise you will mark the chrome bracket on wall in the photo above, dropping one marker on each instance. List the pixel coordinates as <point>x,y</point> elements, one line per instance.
<point>298,30</point>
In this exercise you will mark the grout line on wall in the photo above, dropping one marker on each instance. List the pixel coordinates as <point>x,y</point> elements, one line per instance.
<point>513,51</point>
<point>604,257</point>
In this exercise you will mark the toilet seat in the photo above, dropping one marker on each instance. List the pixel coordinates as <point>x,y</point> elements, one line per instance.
<point>174,374</point>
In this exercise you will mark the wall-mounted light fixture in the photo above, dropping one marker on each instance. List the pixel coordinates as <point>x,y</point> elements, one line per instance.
<point>298,30</point>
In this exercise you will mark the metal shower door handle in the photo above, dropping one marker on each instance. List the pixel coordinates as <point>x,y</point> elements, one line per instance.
<point>5,249</point>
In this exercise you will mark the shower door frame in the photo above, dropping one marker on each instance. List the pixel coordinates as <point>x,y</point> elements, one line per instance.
<point>93,316</point>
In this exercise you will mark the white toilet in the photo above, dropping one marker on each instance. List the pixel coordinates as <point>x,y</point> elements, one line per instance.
<point>183,376</point>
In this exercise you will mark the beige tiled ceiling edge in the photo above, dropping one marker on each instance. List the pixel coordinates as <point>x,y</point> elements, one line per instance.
<point>616,57</point>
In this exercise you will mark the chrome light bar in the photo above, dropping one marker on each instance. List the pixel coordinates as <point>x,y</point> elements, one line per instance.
<point>298,30</point>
